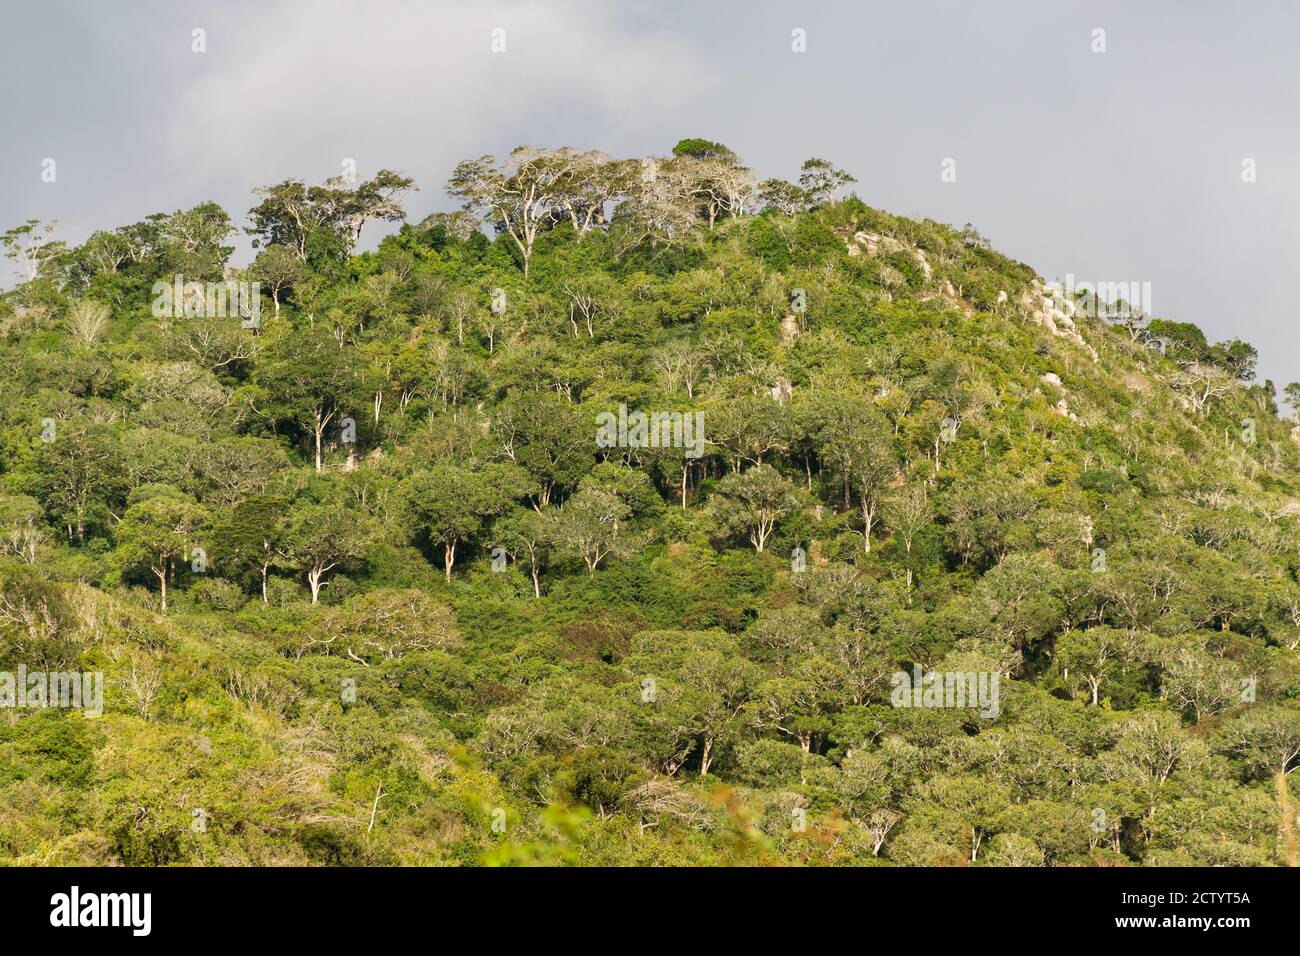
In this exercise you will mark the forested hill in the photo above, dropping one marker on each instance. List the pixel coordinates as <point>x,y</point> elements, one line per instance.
<point>381,565</point>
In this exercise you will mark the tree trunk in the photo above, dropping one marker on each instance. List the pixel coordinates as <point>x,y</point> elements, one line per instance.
<point>320,427</point>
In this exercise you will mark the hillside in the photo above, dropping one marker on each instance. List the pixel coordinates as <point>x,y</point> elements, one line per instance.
<point>378,567</point>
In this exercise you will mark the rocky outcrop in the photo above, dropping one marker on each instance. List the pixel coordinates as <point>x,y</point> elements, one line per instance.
<point>1047,312</point>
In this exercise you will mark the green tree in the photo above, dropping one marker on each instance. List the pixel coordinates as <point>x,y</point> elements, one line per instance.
<point>320,537</point>
<point>821,181</point>
<point>250,539</point>
<point>754,502</point>
<point>157,531</point>
<point>587,526</point>
<point>451,504</point>
<point>308,381</point>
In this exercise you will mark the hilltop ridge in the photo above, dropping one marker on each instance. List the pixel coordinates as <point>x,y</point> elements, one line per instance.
<point>367,582</point>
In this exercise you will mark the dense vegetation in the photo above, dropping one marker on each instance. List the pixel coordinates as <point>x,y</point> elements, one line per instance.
<point>366,589</point>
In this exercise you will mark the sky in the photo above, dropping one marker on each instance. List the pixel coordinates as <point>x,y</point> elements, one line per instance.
<point>1121,156</point>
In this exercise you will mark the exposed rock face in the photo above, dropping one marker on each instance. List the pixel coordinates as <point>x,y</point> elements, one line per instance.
<point>1062,409</point>
<point>789,328</point>
<point>1047,312</point>
<point>924,263</point>
<point>873,244</point>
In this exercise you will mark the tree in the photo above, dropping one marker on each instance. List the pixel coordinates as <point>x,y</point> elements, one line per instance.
<point>1185,343</point>
<point>1094,654</point>
<point>799,704</point>
<point>77,474</point>
<point>1292,394</point>
<point>527,192</point>
<point>1236,357</point>
<point>157,530</point>
<point>907,511</point>
<point>31,248</point>
<point>872,467</point>
<point>697,147</point>
<point>785,197</point>
<point>856,444</point>
<point>1266,739</point>
<point>192,241</point>
<point>867,785</point>
<point>548,437</point>
<point>21,531</point>
<point>526,534</point>
<point>587,526</point>
<point>376,198</point>
<point>309,381</point>
<point>821,181</point>
<point>87,321</point>
<point>320,537</point>
<point>711,175</point>
<point>451,504</point>
<point>1201,683</point>
<point>251,538</point>
<point>592,183</point>
<point>1200,384</point>
<point>1152,747</point>
<point>106,251</point>
<point>703,677</point>
<point>748,428</point>
<point>754,501</point>
<point>291,212</point>
<point>388,624</point>
<point>660,206</point>
<point>37,623</point>
<point>278,268</point>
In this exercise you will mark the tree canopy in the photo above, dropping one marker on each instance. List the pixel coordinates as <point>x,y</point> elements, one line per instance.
<point>626,516</point>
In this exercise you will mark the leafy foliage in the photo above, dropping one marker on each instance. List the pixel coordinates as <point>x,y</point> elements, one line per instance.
<point>366,589</point>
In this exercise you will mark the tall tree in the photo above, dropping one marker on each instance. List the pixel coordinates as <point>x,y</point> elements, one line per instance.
<point>306,380</point>
<point>452,503</point>
<point>157,531</point>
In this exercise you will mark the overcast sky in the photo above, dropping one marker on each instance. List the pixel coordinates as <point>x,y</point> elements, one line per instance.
<point>1124,165</point>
